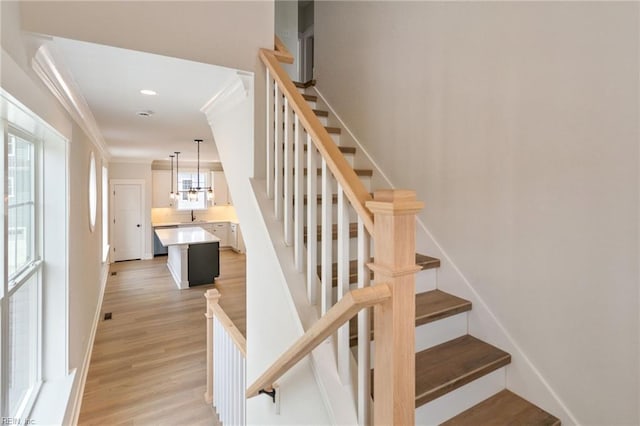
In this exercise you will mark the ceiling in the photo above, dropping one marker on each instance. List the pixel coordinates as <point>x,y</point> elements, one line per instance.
<point>110,80</point>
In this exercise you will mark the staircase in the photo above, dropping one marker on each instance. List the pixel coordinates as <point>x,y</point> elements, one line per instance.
<point>459,379</point>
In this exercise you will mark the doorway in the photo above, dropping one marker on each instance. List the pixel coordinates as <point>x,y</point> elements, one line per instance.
<point>127,221</point>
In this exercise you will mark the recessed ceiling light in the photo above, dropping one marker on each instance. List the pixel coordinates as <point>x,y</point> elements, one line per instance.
<point>148,92</point>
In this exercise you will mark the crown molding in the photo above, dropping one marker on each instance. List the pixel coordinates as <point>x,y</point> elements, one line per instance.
<point>60,82</point>
<point>232,93</point>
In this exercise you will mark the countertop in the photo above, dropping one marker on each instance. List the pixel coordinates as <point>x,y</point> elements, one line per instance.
<point>185,235</point>
<point>194,223</point>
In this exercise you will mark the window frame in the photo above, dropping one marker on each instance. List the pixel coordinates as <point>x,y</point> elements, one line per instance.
<point>22,276</point>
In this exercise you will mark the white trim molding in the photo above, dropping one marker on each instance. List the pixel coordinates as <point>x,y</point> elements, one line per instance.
<point>60,82</point>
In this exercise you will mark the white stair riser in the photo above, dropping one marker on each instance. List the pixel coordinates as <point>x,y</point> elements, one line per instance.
<point>426,280</point>
<point>437,332</point>
<point>463,398</point>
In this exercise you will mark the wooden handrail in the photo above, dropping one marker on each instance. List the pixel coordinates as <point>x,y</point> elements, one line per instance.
<point>281,52</point>
<point>353,188</point>
<point>336,317</point>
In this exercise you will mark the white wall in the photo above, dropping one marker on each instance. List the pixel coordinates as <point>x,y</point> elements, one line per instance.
<point>85,268</point>
<point>272,323</point>
<point>517,124</point>
<point>286,27</point>
<point>120,170</point>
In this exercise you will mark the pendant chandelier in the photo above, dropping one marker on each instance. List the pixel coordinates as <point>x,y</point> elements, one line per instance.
<point>172,195</point>
<point>194,191</point>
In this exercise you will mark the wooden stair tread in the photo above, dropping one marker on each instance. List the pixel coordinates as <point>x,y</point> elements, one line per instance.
<point>321,113</point>
<point>353,231</point>
<point>301,85</point>
<point>310,98</point>
<point>333,130</point>
<point>343,149</point>
<point>455,363</point>
<point>334,200</point>
<point>504,408</point>
<point>436,304</point>
<point>430,306</point>
<point>425,262</point>
<point>359,172</point>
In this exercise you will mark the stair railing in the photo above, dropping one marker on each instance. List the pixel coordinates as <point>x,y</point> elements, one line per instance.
<point>226,368</point>
<point>290,122</point>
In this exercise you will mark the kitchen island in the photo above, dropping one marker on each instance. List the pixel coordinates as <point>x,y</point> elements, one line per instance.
<point>193,255</point>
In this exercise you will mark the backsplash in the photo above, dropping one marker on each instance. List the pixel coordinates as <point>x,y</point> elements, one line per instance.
<point>171,215</point>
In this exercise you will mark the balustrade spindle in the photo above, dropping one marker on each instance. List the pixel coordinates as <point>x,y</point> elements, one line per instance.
<point>270,128</point>
<point>298,204</point>
<point>288,173</point>
<point>312,223</point>
<point>364,330</point>
<point>278,166</point>
<point>326,239</point>
<point>344,353</point>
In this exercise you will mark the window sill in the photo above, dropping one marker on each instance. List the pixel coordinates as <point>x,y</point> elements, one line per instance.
<point>51,405</point>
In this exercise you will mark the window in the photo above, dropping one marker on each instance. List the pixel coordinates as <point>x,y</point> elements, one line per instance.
<point>21,302</point>
<point>186,180</point>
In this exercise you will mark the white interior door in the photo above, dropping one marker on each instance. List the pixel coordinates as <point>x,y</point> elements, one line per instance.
<point>127,221</point>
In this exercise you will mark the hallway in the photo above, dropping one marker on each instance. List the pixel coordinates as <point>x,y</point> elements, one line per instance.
<point>148,362</point>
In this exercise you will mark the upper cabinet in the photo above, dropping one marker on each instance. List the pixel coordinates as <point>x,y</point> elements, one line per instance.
<point>161,187</point>
<point>221,196</point>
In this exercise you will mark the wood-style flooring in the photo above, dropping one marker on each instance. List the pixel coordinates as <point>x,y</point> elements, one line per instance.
<point>148,363</point>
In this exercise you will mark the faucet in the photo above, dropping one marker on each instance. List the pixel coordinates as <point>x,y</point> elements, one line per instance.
<point>192,216</point>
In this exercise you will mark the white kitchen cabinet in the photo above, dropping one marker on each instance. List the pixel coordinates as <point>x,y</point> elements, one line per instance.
<point>221,230</point>
<point>235,237</point>
<point>161,187</point>
<point>220,190</point>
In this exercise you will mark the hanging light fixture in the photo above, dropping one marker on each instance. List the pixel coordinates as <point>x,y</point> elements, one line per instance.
<point>193,191</point>
<point>176,195</point>
<point>172,196</point>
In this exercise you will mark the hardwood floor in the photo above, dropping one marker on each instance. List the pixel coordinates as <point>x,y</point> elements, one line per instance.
<point>148,363</point>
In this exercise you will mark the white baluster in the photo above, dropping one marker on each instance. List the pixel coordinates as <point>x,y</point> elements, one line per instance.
<point>312,223</point>
<point>234,383</point>
<point>344,354</point>
<point>364,330</point>
<point>216,360</point>
<point>278,157</point>
<point>326,237</point>
<point>243,381</point>
<point>298,202</point>
<point>225,382</point>
<point>288,173</point>
<point>270,146</point>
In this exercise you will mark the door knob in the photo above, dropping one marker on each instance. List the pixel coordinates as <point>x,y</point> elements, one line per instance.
<point>138,225</point>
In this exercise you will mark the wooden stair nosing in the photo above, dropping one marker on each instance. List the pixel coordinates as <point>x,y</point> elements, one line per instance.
<point>450,365</point>
<point>309,98</point>
<point>317,112</point>
<point>431,306</point>
<point>343,149</point>
<point>305,85</point>
<point>329,129</point>
<point>353,231</point>
<point>425,262</point>
<point>504,408</point>
<point>359,172</point>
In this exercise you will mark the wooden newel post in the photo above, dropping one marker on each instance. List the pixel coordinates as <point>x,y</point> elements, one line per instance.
<point>213,297</point>
<point>394,320</point>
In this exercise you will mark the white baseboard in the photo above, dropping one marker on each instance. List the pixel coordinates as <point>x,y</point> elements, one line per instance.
<point>77,398</point>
